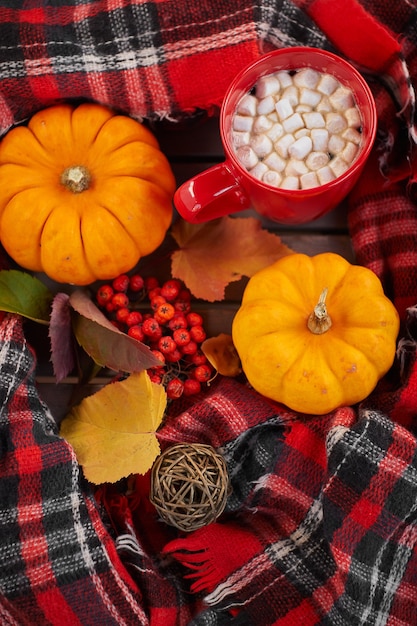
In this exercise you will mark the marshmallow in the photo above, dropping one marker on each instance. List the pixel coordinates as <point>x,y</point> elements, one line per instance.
<point>336,144</point>
<point>275,132</point>
<point>353,117</point>
<point>247,157</point>
<point>259,170</point>
<point>306,77</point>
<point>267,86</point>
<point>327,84</point>
<point>349,152</point>
<point>266,105</point>
<point>309,180</point>
<point>351,134</point>
<point>314,120</point>
<point>338,166</point>
<point>290,182</point>
<point>285,78</point>
<point>243,123</point>
<point>284,109</point>
<point>275,162</point>
<point>310,97</point>
<point>324,105</point>
<point>291,94</point>
<point>293,123</point>
<point>301,147</point>
<point>240,138</point>
<point>302,132</point>
<point>247,105</point>
<point>272,178</point>
<point>342,99</point>
<point>261,124</point>
<point>261,145</point>
<point>325,175</point>
<point>295,167</point>
<point>282,145</point>
<point>335,123</point>
<point>317,160</point>
<point>303,108</point>
<point>320,139</point>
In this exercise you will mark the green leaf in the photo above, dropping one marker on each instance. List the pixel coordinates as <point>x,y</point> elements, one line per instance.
<point>107,345</point>
<point>25,295</point>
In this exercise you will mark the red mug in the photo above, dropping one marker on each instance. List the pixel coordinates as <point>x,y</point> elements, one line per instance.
<point>228,187</point>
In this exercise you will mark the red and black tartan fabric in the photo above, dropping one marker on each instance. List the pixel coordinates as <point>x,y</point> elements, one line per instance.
<point>321,526</point>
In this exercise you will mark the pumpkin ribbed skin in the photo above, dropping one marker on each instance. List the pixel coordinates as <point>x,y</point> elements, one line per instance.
<point>315,373</point>
<point>97,233</point>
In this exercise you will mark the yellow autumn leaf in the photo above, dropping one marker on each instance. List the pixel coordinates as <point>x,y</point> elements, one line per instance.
<point>113,431</point>
<point>221,353</point>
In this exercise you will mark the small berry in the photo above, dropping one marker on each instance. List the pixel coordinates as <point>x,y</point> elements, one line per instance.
<point>104,295</point>
<point>174,388</point>
<point>153,293</point>
<point>173,357</point>
<point>183,306</point>
<point>194,319</point>
<point>120,300</point>
<point>136,283</point>
<point>158,355</point>
<point>184,294</point>
<point>181,337</point>
<point>121,283</point>
<point>122,314</point>
<point>198,334</point>
<point>151,283</point>
<point>164,313</point>
<point>170,289</point>
<point>156,301</point>
<point>189,348</point>
<point>178,321</point>
<point>167,344</point>
<point>136,332</point>
<point>198,358</point>
<point>151,328</point>
<point>202,373</point>
<point>134,318</point>
<point>155,376</point>
<point>110,307</point>
<point>192,386</point>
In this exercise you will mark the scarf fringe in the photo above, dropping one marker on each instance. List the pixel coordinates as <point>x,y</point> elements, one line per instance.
<point>213,553</point>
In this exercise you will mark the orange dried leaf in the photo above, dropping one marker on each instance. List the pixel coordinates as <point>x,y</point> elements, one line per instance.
<point>113,431</point>
<point>216,253</point>
<point>222,354</point>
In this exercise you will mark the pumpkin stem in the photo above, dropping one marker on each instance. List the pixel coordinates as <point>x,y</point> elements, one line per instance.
<point>76,178</point>
<point>319,320</point>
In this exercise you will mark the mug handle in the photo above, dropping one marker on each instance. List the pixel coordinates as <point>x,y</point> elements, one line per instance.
<point>213,193</point>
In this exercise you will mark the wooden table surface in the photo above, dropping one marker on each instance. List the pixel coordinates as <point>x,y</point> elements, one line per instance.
<point>191,148</point>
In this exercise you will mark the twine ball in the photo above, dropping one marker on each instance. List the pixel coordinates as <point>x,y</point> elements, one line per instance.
<point>189,486</point>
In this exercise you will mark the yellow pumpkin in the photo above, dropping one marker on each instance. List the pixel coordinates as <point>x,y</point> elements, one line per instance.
<point>84,193</point>
<point>315,333</point>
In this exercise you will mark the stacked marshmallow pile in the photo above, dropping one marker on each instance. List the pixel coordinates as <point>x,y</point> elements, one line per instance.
<point>297,129</point>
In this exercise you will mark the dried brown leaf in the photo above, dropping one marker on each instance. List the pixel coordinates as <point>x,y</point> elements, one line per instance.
<point>222,251</point>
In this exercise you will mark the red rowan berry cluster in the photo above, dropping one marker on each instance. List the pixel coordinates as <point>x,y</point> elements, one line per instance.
<point>166,324</point>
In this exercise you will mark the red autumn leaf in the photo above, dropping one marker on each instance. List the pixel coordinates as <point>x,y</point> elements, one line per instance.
<point>60,335</point>
<point>107,345</point>
<point>219,252</point>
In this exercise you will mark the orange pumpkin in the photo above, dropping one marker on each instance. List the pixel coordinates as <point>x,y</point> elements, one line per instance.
<point>84,193</point>
<point>315,333</point>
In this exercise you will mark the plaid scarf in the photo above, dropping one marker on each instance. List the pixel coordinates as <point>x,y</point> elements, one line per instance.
<point>321,526</point>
